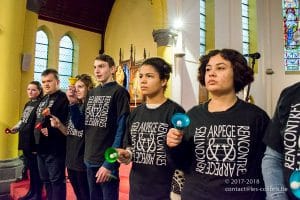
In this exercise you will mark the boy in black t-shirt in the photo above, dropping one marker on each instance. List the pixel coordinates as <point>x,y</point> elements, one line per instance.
<point>103,120</point>
<point>281,161</point>
<point>51,143</point>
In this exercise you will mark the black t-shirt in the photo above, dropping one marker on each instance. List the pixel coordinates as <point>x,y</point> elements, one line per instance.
<point>55,142</point>
<point>75,148</point>
<point>151,172</point>
<point>224,152</point>
<point>26,136</point>
<point>284,129</point>
<point>103,108</point>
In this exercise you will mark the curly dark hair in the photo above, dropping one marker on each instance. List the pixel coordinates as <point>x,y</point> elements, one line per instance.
<point>242,73</point>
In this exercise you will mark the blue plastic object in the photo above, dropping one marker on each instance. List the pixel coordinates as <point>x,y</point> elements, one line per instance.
<point>180,120</point>
<point>295,183</point>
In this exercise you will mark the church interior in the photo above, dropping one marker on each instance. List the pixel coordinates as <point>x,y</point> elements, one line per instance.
<point>67,35</point>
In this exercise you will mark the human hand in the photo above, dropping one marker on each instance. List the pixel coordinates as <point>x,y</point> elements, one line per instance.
<point>103,175</point>
<point>124,156</point>
<point>14,130</point>
<point>46,112</point>
<point>71,95</point>
<point>174,137</point>
<point>45,132</point>
<point>55,122</point>
<point>11,130</point>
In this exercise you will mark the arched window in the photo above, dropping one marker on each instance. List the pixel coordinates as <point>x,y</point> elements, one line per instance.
<point>41,54</point>
<point>202,27</point>
<point>65,64</point>
<point>291,35</point>
<point>245,26</point>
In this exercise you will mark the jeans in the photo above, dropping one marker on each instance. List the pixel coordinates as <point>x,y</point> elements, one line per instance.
<point>79,183</point>
<point>272,170</point>
<point>52,173</point>
<point>102,191</point>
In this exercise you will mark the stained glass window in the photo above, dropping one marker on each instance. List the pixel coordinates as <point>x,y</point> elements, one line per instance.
<point>41,54</point>
<point>65,64</point>
<point>291,23</point>
<point>202,27</point>
<point>245,26</point>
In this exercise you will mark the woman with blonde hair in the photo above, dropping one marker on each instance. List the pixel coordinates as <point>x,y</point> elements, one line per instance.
<point>75,141</point>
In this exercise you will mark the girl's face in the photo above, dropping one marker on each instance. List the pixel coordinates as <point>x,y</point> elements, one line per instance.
<point>150,83</point>
<point>81,90</point>
<point>219,76</point>
<point>32,91</point>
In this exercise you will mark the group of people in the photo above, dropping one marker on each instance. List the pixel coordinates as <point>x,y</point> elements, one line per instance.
<point>230,150</point>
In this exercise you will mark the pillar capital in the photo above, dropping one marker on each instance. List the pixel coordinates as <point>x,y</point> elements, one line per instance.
<point>179,55</point>
<point>164,37</point>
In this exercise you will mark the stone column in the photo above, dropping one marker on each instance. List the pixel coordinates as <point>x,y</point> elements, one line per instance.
<point>29,37</point>
<point>14,39</point>
<point>177,77</point>
<point>228,24</point>
<point>165,39</point>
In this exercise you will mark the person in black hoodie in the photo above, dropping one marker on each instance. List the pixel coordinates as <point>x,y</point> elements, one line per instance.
<point>222,149</point>
<point>51,143</point>
<point>25,127</point>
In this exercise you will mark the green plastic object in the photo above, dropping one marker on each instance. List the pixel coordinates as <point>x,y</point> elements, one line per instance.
<point>111,155</point>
